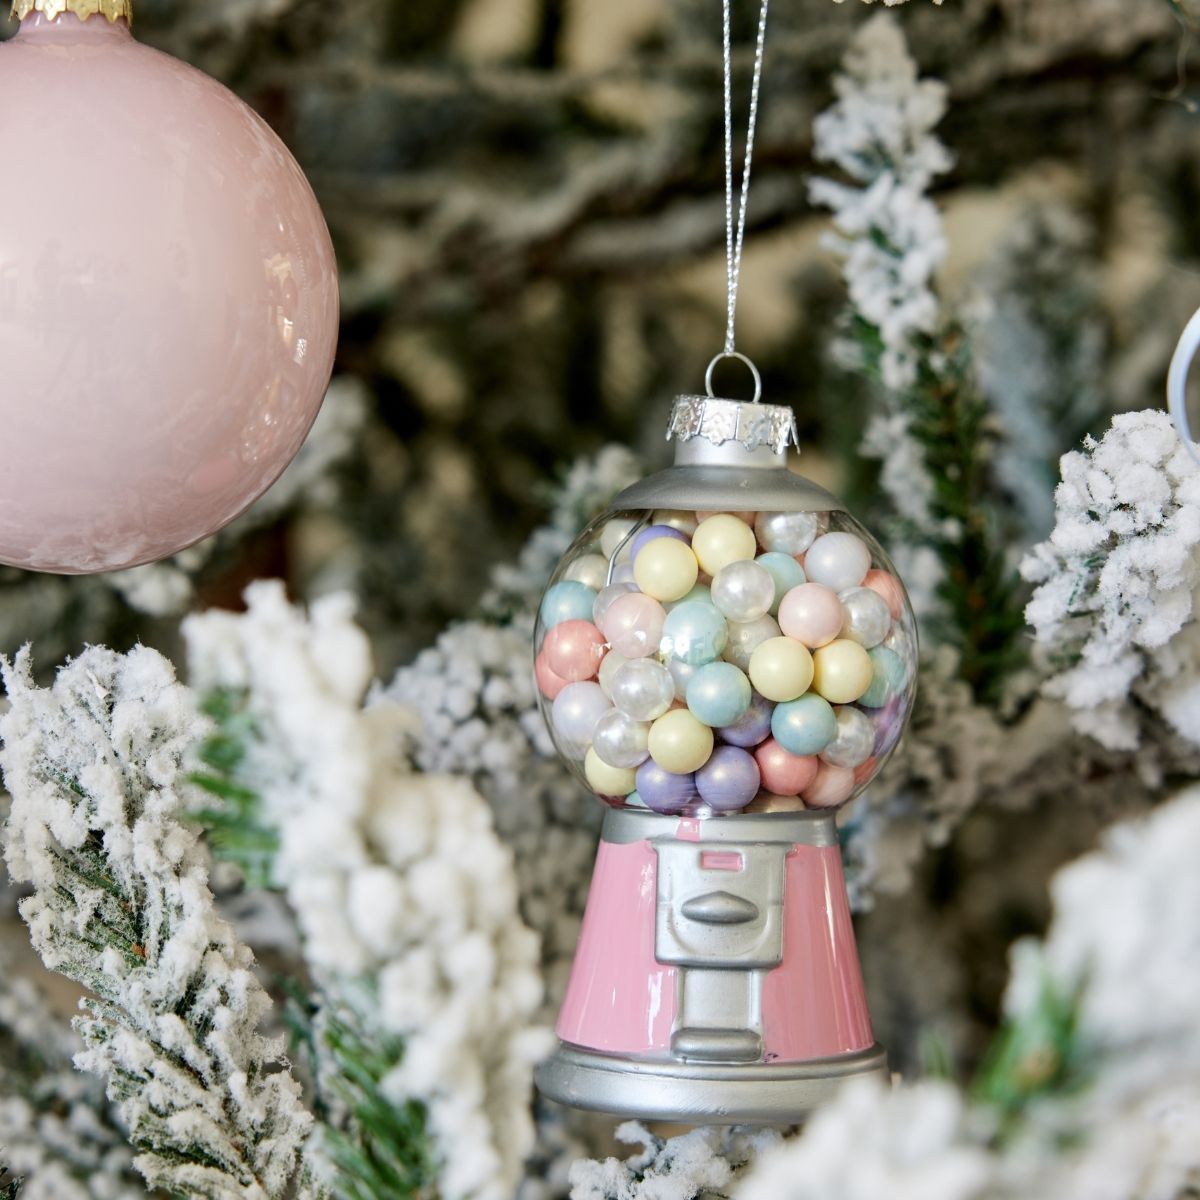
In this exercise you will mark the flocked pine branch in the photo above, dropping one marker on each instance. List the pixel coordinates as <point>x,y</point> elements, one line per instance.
<point>120,903</point>
<point>57,1129</point>
<point>405,898</point>
<point>931,430</point>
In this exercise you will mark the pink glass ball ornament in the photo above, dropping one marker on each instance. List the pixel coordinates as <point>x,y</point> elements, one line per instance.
<point>168,301</point>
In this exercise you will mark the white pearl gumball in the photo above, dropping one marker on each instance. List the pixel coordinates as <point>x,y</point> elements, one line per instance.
<point>787,532</point>
<point>681,673</point>
<point>746,636</point>
<point>610,664</point>
<point>576,710</point>
<point>837,560</point>
<point>643,689</point>
<point>854,740</point>
<point>868,620</point>
<point>744,590</point>
<point>617,534</point>
<point>591,569</point>
<point>620,741</point>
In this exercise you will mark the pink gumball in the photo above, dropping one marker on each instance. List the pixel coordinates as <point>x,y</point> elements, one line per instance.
<point>549,684</point>
<point>885,584</point>
<point>812,614</point>
<point>573,650</point>
<point>783,773</point>
<point>168,301</point>
<point>864,771</point>
<point>633,625</point>
<point>830,787</point>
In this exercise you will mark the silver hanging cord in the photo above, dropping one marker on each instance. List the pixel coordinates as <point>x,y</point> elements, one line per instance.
<point>735,228</point>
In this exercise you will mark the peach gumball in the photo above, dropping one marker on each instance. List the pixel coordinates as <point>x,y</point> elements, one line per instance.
<point>830,787</point>
<point>573,650</point>
<point>885,584</point>
<point>784,773</point>
<point>549,683</point>
<point>812,614</point>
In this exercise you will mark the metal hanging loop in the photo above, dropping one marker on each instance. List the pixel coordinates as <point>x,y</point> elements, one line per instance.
<point>708,375</point>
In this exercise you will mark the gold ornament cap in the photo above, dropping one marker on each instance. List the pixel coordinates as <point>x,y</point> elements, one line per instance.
<point>113,10</point>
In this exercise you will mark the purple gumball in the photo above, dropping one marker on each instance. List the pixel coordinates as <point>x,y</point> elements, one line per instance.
<point>753,727</point>
<point>663,791</point>
<point>729,780</point>
<point>648,535</point>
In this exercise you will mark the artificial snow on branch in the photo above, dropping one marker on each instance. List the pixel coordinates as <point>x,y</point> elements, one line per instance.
<point>1114,610</point>
<point>405,898</point>
<point>120,903</point>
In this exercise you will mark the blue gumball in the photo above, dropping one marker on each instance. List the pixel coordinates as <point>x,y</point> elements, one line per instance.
<point>804,726</point>
<point>569,600</point>
<point>695,632</point>
<point>718,694</point>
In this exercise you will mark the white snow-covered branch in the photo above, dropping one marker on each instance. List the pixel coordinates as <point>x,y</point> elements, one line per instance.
<point>405,897</point>
<point>120,903</point>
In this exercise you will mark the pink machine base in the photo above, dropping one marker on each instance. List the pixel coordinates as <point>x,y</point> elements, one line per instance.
<point>717,977</point>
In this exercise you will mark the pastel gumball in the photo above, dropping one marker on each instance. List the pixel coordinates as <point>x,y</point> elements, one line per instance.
<point>680,743</point>
<point>666,569</point>
<point>842,671</point>
<point>681,673</point>
<point>781,669</point>
<point>695,632</point>
<point>889,725</point>
<point>787,532</point>
<point>743,590</point>
<point>753,727</point>
<point>700,591</point>
<point>745,637</point>
<point>886,585</point>
<point>747,518</point>
<point>649,534</point>
<point>867,619</point>
<point>812,614</point>
<point>804,726</point>
<point>838,560</point>
<point>830,787</point>
<point>623,573</point>
<point>865,772</point>
<point>642,688</point>
<point>665,791</point>
<point>574,714</point>
<point>633,625</point>
<point>718,694</point>
<point>610,664</point>
<point>606,780</point>
<point>768,802</point>
<point>589,569</point>
<point>887,678</point>
<point>729,780</point>
<point>605,599</point>
<point>615,538</point>
<point>547,682</point>
<point>854,741</point>
<point>782,772</point>
<point>573,650</point>
<point>721,540</point>
<point>620,741</point>
<point>634,800</point>
<point>567,600</point>
<point>785,571</point>
<point>677,518</point>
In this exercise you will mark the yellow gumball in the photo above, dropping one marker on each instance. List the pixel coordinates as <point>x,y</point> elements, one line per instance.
<point>781,669</point>
<point>721,540</point>
<point>605,780</point>
<point>679,743</point>
<point>666,569</point>
<point>842,671</point>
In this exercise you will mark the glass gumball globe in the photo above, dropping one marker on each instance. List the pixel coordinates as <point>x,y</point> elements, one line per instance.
<point>736,641</point>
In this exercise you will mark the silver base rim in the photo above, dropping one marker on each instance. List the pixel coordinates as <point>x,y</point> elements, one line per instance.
<point>701,1094</point>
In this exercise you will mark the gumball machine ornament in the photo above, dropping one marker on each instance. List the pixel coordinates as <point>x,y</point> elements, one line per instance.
<point>725,658</point>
